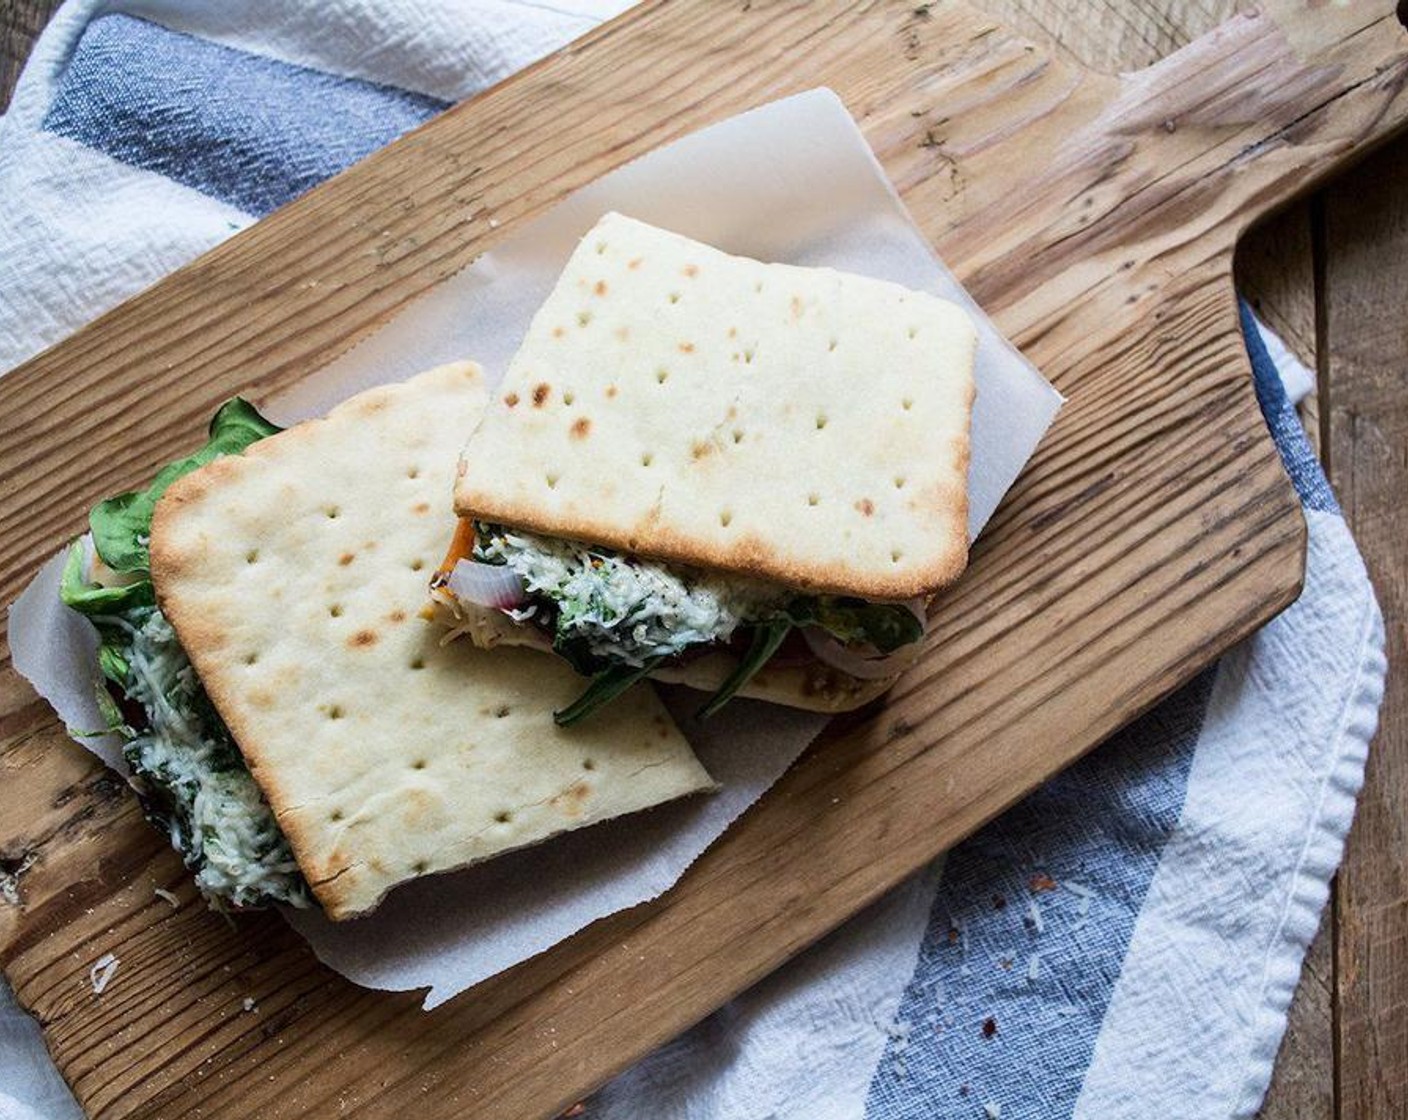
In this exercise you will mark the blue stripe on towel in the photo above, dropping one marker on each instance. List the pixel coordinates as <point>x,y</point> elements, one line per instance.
<point>243,128</point>
<point>1097,831</point>
<point>1296,453</point>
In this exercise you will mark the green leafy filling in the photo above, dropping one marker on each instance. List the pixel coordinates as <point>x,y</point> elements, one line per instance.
<point>122,526</point>
<point>605,687</point>
<point>886,626</point>
<point>192,780</point>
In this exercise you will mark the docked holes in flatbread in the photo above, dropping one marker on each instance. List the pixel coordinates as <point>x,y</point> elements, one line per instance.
<point>798,425</point>
<point>695,459</point>
<point>295,576</point>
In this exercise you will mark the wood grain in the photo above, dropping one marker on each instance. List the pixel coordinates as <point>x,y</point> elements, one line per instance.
<point>1366,220</point>
<point>1112,38</point>
<point>1153,529</point>
<point>20,24</point>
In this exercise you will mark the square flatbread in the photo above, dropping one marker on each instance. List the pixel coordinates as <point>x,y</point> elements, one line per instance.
<point>295,575</point>
<point>798,425</point>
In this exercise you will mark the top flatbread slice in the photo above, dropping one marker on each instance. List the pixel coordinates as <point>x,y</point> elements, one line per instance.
<point>294,575</point>
<point>800,425</point>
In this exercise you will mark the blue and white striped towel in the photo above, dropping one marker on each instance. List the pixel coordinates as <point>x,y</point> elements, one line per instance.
<point>1122,944</point>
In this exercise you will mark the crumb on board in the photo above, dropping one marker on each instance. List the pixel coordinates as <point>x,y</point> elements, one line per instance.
<point>10,877</point>
<point>167,897</point>
<point>1041,882</point>
<point>248,1003</point>
<point>101,973</point>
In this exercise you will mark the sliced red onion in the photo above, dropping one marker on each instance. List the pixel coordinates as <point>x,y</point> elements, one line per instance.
<point>920,609</point>
<point>866,664</point>
<point>487,585</point>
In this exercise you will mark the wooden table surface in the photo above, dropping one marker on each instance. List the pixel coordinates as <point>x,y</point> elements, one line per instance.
<point>1331,276</point>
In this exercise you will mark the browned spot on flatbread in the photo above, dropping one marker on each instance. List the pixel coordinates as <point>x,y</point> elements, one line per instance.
<point>686,348</point>
<point>701,448</point>
<point>633,265</point>
<point>796,307</point>
<point>346,558</point>
<point>691,270</point>
<point>417,806</point>
<point>511,399</point>
<point>396,616</point>
<point>361,639</point>
<point>866,507</point>
<point>580,427</point>
<point>571,801</point>
<point>600,288</point>
<point>540,394</point>
<point>558,332</point>
<point>610,391</point>
<point>421,507</point>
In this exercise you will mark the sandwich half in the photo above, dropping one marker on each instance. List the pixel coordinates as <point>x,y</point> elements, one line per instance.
<point>292,719</point>
<point>745,477</point>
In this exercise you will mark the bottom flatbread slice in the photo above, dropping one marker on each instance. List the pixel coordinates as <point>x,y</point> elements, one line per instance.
<point>811,686</point>
<point>295,576</point>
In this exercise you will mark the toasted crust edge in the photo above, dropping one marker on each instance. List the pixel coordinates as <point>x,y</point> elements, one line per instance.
<point>752,556</point>
<point>328,880</point>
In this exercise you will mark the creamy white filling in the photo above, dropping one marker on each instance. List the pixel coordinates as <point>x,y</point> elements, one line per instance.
<point>626,609</point>
<point>218,817</point>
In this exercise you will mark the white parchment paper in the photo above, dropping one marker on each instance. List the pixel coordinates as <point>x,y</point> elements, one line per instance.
<point>793,181</point>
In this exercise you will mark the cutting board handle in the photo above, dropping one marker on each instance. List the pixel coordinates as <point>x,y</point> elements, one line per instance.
<point>1298,87</point>
<point>1160,171</point>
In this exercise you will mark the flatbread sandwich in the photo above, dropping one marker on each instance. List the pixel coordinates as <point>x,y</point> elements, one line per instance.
<point>745,477</point>
<point>289,716</point>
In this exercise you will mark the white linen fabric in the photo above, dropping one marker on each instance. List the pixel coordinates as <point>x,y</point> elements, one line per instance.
<point>1124,943</point>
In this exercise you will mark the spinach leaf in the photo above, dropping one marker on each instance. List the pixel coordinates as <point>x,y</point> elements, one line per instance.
<point>767,636</point>
<point>576,651</point>
<point>112,660</point>
<point>886,626</point>
<point>89,598</point>
<point>122,525</point>
<point>101,604</point>
<point>605,687</point>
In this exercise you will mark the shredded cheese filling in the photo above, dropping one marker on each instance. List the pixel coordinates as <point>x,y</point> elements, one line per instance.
<point>198,786</point>
<point>627,610</point>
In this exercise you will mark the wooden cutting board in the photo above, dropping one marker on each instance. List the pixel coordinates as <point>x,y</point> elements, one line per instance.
<point>1093,217</point>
